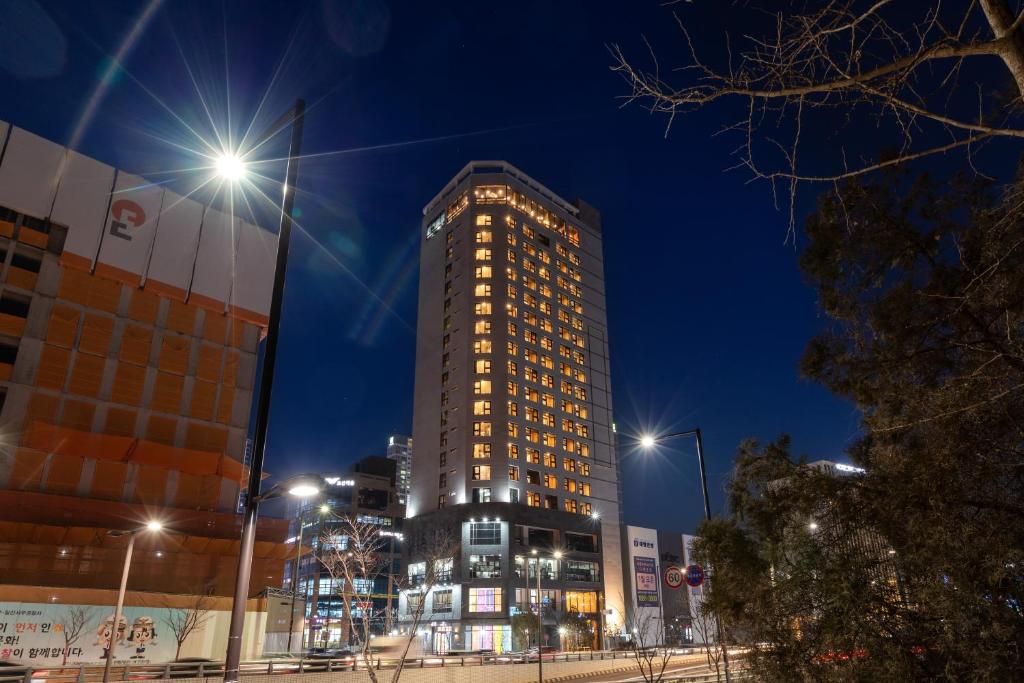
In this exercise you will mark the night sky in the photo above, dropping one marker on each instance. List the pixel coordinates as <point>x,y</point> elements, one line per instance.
<point>707,309</point>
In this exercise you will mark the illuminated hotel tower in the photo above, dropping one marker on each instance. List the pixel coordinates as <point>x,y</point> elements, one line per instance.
<point>513,397</point>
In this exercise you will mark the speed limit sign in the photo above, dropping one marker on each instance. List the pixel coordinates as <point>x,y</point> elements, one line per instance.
<point>673,576</point>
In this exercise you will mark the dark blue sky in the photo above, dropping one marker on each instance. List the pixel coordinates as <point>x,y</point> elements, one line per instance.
<point>708,314</point>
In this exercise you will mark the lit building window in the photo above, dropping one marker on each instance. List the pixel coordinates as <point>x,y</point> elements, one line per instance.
<point>482,289</point>
<point>570,505</point>
<point>533,499</point>
<point>482,346</point>
<point>482,327</point>
<point>483,254</point>
<point>485,599</point>
<point>481,451</point>
<point>481,407</point>
<point>481,472</point>
<point>513,473</point>
<point>580,601</point>
<point>483,272</point>
<point>482,367</point>
<point>483,219</point>
<point>482,386</point>
<point>482,308</point>
<point>513,451</point>
<point>481,429</point>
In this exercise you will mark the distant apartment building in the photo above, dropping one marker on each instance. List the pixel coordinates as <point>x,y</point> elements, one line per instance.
<point>512,401</point>
<point>129,324</point>
<point>400,450</point>
<point>368,494</point>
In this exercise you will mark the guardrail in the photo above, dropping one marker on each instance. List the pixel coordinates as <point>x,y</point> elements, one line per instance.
<point>84,673</point>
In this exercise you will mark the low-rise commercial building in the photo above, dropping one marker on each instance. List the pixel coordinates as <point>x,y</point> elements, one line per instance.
<point>492,577</point>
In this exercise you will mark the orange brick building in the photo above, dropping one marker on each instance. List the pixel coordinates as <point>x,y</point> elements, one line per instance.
<point>129,323</point>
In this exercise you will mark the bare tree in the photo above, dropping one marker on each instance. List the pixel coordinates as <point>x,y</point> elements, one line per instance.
<point>355,554</point>
<point>76,618</point>
<point>704,624</point>
<point>437,549</point>
<point>897,69</point>
<point>647,644</point>
<point>184,621</point>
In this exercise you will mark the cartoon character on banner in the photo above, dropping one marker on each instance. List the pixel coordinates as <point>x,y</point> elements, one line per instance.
<point>105,632</point>
<point>143,634</point>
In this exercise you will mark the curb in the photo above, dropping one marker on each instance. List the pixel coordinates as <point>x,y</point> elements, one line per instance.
<point>587,674</point>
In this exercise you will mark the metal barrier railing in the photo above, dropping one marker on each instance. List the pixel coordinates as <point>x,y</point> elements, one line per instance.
<point>84,673</point>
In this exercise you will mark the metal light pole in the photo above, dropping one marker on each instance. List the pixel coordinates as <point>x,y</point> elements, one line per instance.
<point>649,441</point>
<point>232,658</point>
<point>295,581</point>
<point>114,627</point>
<point>540,628</point>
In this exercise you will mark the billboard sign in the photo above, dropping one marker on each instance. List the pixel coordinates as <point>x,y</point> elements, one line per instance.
<point>42,634</point>
<point>646,581</point>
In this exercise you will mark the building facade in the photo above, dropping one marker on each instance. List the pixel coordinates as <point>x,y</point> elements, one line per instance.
<point>513,399</point>
<point>129,323</point>
<point>493,578</point>
<point>367,494</point>
<point>400,450</point>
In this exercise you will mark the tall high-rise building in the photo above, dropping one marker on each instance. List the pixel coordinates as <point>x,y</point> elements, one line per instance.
<point>400,450</point>
<point>513,392</point>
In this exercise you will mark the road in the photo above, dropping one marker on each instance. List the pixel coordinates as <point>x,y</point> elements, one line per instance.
<point>696,664</point>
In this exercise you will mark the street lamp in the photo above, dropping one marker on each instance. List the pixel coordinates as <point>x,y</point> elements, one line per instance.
<point>227,166</point>
<point>557,555</point>
<point>302,486</point>
<point>324,509</point>
<point>150,526</point>
<point>648,441</point>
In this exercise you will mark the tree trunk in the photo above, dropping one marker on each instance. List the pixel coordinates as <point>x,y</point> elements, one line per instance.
<point>1001,19</point>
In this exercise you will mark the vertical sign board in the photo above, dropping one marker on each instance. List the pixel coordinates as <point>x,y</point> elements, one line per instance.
<point>29,173</point>
<point>81,202</point>
<point>175,246</point>
<point>646,587</point>
<point>254,279</point>
<point>646,571</point>
<point>130,229</point>
<point>215,262</point>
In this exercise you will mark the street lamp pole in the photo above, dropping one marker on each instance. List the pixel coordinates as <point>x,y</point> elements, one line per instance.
<point>649,441</point>
<point>232,658</point>
<point>540,629</point>
<point>114,627</point>
<point>295,581</point>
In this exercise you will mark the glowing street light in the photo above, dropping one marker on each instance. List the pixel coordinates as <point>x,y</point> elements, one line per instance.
<point>154,526</point>
<point>303,491</point>
<point>647,441</point>
<point>230,167</point>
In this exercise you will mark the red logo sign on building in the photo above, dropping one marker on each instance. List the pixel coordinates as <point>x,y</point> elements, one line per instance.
<point>124,214</point>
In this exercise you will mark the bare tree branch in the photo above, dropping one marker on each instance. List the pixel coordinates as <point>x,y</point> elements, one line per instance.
<point>838,68</point>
